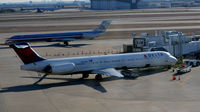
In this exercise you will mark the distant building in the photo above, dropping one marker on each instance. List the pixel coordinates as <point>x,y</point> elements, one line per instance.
<point>167,3</point>
<point>113,4</point>
<point>53,1</point>
<point>141,4</point>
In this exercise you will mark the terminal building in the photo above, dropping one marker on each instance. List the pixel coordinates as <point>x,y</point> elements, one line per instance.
<point>113,4</point>
<point>141,4</point>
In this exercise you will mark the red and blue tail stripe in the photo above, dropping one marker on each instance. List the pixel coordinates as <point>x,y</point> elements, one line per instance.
<point>26,53</point>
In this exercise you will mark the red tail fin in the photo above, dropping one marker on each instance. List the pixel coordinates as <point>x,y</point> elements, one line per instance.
<point>26,53</point>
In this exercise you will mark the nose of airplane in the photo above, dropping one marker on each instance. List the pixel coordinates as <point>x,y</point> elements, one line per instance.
<point>173,60</point>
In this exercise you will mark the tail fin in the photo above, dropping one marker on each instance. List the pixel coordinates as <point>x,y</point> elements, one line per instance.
<point>26,53</point>
<point>103,26</point>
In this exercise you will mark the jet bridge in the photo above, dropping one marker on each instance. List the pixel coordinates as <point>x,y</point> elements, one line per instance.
<point>176,43</point>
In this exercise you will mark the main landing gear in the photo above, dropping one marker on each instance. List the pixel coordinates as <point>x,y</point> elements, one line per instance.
<point>169,67</point>
<point>66,43</point>
<point>97,77</point>
<point>85,75</point>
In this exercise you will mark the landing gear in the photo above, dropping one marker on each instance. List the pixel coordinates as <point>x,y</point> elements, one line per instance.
<point>169,67</point>
<point>130,74</point>
<point>66,43</point>
<point>197,64</point>
<point>125,68</point>
<point>98,77</point>
<point>85,75</point>
<point>192,64</point>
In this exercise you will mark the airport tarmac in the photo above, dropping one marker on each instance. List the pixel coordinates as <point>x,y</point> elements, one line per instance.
<point>154,91</point>
<point>124,23</point>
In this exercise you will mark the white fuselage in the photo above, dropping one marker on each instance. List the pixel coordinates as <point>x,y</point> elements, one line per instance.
<point>90,63</point>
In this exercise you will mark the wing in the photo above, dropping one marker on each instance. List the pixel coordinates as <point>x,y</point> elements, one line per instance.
<point>108,71</point>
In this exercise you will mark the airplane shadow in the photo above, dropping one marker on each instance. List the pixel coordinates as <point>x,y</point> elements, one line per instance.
<point>93,83</point>
<point>153,71</point>
<point>60,45</point>
<point>177,74</point>
<point>53,45</point>
<point>4,47</point>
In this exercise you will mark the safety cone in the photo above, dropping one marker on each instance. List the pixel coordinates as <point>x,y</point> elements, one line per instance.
<point>174,77</point>
<point>179,77</point>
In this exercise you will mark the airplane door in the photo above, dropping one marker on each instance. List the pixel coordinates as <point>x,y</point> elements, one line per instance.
<point>147,60</point>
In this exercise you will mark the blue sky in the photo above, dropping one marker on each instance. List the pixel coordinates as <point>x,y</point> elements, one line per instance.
<point>6,1</point>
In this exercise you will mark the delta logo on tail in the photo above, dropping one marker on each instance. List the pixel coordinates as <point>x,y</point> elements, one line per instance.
<point>26,53</point>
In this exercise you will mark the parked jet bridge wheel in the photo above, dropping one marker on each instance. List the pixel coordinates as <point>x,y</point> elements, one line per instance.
<point>198,64</point>
<point>192,64</point>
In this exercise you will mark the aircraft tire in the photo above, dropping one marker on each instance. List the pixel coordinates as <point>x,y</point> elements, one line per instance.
<point>198,64</point>
<point>98,77</point>
<point>169,67</point>
<point>66,43</point>
<point>85,75</point>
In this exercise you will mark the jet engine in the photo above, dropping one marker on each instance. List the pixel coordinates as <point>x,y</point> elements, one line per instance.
<point>61,69</point>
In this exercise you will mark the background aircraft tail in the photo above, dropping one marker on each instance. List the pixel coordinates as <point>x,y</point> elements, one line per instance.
<point>103,26</point>
<point>26,53</point>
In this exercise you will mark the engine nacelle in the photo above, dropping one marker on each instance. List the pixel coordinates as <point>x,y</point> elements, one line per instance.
<point>61,69</point>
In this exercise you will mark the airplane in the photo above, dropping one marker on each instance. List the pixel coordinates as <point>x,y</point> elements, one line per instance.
<point>100,65</point>
<point>65,37</point>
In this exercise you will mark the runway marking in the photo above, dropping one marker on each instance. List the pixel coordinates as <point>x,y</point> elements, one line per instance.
<point>188,77</point>
<point>181,83</point>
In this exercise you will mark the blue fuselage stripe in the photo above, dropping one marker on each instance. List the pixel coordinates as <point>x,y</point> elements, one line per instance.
<point>48,36</point>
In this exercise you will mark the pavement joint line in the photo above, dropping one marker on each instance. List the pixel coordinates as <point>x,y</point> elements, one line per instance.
<point>50,101</point>
<point>10,70</point>
<point>151,92</point>
<point>3,64</point>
